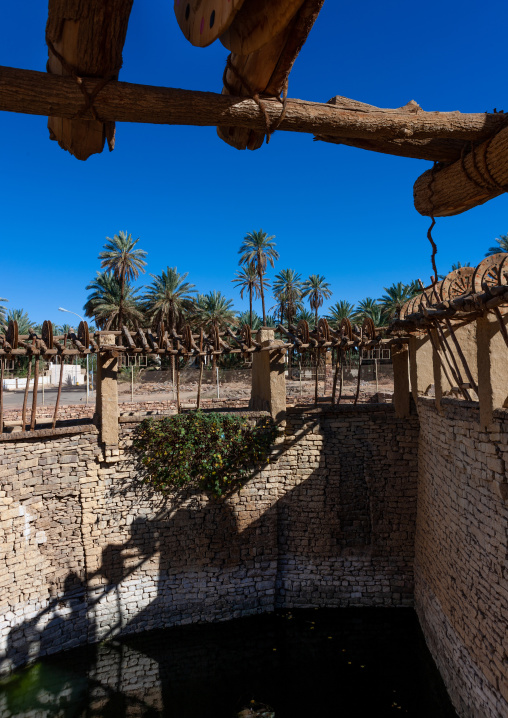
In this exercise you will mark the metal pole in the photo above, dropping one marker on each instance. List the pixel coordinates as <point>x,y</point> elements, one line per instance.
<point>87,381</point>
<point>43,375</point>
<point>218,390</point>
<point>132,383</point>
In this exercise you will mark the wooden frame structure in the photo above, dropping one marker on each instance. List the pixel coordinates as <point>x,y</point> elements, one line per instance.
<point>83,98</point>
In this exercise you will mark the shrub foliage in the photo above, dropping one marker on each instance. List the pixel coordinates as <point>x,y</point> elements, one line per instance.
<point>207,451</point>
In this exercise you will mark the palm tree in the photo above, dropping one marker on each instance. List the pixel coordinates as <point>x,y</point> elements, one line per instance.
<point>502,245</point>
<point>366,308</point>
<point>254,321</point>
<point>259,250</point>
<point>169,297</point>
<point>287,289</point>
<point>111,307</point>
<point>396,295</point>
<point>247,278</point>
<point>3,312</point>
<point>64,329</point>
<point>317,290</point>
<point>22,318</point>
<point>125,262</point>
<point>307,316</point>
<point>339,311</point>
<point>214,311</point>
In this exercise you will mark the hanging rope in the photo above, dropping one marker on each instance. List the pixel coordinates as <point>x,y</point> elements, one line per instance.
<point>429,231</point>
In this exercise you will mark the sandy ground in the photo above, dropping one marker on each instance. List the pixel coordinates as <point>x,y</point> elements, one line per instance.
<point>239,391</point>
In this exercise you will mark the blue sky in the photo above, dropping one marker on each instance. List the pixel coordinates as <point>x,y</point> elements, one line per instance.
<point>337,211</point>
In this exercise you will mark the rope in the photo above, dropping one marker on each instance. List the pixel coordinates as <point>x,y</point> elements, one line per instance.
<point>90,97</point>
<point>429,231</point>
<point>254,95</point>
<point>488,181</point>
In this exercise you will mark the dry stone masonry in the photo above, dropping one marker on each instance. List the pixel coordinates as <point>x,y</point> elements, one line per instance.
<point>90,554</point>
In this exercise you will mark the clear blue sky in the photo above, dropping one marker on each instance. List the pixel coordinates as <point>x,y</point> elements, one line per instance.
<point>337,211</point>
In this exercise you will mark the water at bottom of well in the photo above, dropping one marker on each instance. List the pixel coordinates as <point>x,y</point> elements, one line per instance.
<point>307,663</point>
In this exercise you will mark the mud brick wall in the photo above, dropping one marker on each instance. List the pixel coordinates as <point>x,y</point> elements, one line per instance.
<point>461,566</point>
<point>89,553</point>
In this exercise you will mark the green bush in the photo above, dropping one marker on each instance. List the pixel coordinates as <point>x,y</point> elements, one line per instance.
<point>207,451</point>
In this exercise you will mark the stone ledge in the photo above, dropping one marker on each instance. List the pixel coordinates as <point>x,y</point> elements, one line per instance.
<point>73,427</point>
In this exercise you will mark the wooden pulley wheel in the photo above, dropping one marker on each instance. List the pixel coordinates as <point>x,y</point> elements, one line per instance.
<point>47,334</point>
<point>203,21</point>
<point>457,283</point>
<point>323,329</point>
<point>83,335</point>
<point>187,338</point>
<point>430,296</point>
<point>11,335</point>
<point>405,308</point>
<point>412,306</point>
<point>302,331</point>
<point>503,270</point>
<point>368,328</point>
<point>246,335</point>
<point>487,272</point>
<point>258,22</point>
<point>345,328</point>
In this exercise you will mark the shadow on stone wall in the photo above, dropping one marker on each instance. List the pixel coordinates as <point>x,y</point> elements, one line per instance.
<point>196,560</point>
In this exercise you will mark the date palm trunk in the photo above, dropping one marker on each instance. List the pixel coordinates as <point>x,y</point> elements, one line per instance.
<point>262,295</point>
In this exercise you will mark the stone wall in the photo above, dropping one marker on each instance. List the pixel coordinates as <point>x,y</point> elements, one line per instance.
<point>461,564</point>
<point>89,553</point>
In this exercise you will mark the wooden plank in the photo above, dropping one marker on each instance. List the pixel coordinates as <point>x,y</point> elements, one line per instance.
<point>85,38</point>
<point>37,93</point>
<point>257,22</point>
<point>266,71</point>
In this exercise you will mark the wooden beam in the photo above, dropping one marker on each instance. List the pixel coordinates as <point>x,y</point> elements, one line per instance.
<point>85,38</point>
<point>470,181</point>
<point>434,149</point>
<point>38,93</point>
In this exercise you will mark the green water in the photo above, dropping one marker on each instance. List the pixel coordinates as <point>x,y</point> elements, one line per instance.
<point>346,663</point>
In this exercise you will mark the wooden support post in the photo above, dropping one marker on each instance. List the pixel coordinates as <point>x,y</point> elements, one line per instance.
<point>421,367</point>
<point>268,378</point>
<point>401,395</point>
<point>492,354</point>
<point>107,397</point>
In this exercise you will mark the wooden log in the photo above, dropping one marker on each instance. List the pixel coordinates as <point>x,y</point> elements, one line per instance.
<point>37,93</point>
<point>436,150</point>
<point>85,38</point>
<point>266,71</point>
<point>478,176</point>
